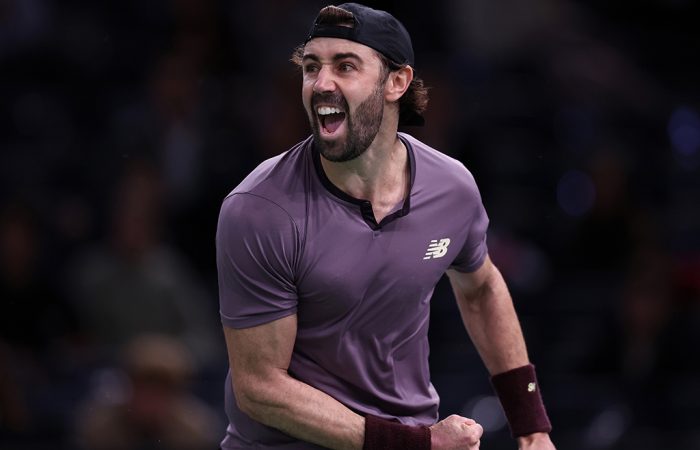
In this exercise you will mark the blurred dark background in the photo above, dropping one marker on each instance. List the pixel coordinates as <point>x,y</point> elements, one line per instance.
<point>123,124</point>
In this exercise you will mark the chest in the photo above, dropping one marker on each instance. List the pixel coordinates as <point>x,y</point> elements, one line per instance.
<point>347,267</point>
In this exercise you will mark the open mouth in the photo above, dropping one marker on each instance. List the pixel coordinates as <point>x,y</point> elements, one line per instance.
<point>331,119</point>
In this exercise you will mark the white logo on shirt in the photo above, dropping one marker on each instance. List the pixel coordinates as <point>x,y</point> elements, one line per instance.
<point>437,249</point>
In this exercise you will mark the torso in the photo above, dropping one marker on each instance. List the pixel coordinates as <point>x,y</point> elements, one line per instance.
<point>363,284</point>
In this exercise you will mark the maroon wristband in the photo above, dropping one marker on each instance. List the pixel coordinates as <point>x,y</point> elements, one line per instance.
<point>520,397</point>
<point>381,434</point>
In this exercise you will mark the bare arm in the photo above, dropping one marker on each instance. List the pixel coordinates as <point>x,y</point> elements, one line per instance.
<point>259,359</point>
<point>489,316</point>
<point>490,319</point>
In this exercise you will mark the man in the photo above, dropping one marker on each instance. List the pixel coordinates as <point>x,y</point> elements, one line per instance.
<point>328,255</point>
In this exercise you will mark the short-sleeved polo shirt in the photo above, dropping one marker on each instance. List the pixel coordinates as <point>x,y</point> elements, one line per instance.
<point>290,242</point>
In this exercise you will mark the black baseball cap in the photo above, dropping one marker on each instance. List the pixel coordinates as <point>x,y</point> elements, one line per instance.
<point>378,30</point>
<point>373,28</point>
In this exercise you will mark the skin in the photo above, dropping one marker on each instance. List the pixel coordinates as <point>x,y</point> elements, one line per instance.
<point>259,356</point>
<point>488,314</point>
<point>362,123</point>
<point>380,174</point>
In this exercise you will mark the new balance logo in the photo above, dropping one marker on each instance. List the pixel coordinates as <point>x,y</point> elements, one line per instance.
<point>437,249</point>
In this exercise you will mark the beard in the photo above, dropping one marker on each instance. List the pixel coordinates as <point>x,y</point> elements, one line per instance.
<point>362,126</point>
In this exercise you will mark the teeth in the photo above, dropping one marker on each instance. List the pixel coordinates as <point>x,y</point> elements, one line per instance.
<point>325,110</point>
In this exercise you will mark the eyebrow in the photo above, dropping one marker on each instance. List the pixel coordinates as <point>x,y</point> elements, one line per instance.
<point>337,57</point>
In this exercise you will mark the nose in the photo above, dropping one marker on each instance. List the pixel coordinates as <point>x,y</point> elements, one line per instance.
<point>325,82</point>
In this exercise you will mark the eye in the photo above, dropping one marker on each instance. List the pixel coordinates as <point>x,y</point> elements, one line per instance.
<point>311,68</point>
<point>346,67</point>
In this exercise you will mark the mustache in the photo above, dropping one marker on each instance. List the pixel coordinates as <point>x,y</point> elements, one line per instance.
<point>329,98</point>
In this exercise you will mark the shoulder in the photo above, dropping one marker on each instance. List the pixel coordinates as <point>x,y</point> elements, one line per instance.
<point>249,214</point>
<point>253,230</point>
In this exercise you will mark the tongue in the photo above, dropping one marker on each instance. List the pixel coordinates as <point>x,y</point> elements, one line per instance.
<point>333,121</point>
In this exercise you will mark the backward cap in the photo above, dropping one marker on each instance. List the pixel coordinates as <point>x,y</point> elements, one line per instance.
<point>373,28</point>
<point>378,30</point>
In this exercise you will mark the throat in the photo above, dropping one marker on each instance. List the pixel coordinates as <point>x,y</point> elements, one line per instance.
<point>383,180</point>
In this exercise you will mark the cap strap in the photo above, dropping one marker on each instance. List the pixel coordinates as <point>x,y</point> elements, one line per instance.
<point>336,31</point>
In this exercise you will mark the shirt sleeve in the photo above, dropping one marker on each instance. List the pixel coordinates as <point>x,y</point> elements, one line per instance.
<point>474,250</point>
<point>256,244</point>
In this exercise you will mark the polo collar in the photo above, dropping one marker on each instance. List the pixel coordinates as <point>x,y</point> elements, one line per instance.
<point>365,206</point>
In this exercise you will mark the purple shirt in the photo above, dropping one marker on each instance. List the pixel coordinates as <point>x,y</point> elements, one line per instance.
<point>289,241</point>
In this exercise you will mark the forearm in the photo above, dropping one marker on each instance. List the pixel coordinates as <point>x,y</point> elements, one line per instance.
<point>259,358</point>
<point>302,411</point>
<point>490,319</point>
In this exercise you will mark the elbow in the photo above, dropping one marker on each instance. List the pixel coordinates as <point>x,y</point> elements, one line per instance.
<point>256,399</point>
<point>473,302</point>
<point>247,401</point>
<point>481,296</point>
<point>244,402</point>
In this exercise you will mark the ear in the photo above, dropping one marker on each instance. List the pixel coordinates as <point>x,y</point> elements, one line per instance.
<point>397,83</point>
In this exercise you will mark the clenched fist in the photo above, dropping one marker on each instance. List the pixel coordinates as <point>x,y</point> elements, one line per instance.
<point>455,433</point>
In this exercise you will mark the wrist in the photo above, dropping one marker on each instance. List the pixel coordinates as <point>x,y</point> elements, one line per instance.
<point>532,438</point>
<point>381,434</point>
<point>519,394</point>
<point>538,441</point>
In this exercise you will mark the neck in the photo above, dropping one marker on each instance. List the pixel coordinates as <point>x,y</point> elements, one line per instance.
<point>379,175</point>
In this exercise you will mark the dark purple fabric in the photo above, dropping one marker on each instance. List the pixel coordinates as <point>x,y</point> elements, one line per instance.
<point>520,397</point>
<point>383,434</point>
<point>287,243</point>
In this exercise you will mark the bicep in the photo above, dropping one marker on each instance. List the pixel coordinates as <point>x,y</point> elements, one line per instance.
<point>260,354</point>
<point>468,285</point>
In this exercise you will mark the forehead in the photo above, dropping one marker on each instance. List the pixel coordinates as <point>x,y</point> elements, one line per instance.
<point>326,47</point>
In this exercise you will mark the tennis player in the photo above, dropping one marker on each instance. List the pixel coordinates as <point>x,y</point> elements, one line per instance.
<point>328,255</point>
